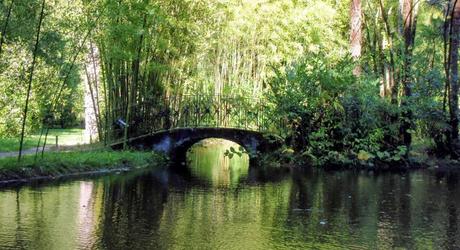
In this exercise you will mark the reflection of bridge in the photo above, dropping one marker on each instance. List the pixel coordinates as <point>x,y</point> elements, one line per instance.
<point>172,124</point>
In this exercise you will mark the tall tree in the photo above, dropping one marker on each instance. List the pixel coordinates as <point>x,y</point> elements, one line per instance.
<point>389,85</point>
<point>356,36</point>
<point>409,10</point>
<point>453,19</point>
<point>31,75</point>
<point>5,26</point>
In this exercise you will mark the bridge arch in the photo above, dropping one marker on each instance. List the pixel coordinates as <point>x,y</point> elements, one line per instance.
<point>175,142</point>
<point>179,152</point>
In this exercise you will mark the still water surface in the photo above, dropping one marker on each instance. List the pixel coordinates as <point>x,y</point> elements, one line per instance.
<point>222,203</point>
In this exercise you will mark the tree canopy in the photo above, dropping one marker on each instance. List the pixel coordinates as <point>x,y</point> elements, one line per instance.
<point>352,81</point>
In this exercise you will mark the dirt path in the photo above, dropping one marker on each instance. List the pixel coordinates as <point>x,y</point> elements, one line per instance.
<point>29,151</point>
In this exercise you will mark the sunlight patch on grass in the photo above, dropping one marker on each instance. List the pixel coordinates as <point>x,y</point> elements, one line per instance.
<point>66,137</point>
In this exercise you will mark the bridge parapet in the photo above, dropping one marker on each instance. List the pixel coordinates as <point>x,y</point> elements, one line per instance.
<point>193,111</point>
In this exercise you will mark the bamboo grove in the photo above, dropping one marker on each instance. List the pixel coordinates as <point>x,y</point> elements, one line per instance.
<point>350,81</point>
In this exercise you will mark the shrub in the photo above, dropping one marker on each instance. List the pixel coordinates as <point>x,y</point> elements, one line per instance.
<point>332,117</point>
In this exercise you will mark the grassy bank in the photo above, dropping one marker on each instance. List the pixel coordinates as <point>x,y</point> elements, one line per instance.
<point>67,163</point>
<point>66,137</point>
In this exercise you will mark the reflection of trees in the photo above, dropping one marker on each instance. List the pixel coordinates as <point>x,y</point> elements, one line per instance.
<point>405,212</point>
<point>132,209</point>
<point>452,233</point>
<point>240,218</point>
<point>88,211</point>
<point>351,182</point>
<point>18,229</point>
<point>302,195</point>
<point>394,211</point>
<point>303,200</point>
<point>349,208</point>
<point>384,211</point>
<point>40,217</point>
<point>322,204</point>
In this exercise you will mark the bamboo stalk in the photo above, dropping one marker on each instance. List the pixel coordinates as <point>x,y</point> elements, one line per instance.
<point>31,74</point>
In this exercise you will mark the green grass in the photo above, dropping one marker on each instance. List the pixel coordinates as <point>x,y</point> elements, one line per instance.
<point>62,163</point>
<point>66,137</point>
<point>12,144</point>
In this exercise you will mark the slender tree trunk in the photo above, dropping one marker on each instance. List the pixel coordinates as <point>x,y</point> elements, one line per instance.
<point>5,26</point>
<point>356,36</point>
<point>93,77</point>
<point>409,18</point>
<point>389,67</point>
<point>64,81</point>
<point>132,91</point>
<point>96,64</point>
<point>31,74</point>
<point>453,77</point>
<point>372,46</point>
<point>103,64</point>
<point>447,43</point>
<point>92,124</point>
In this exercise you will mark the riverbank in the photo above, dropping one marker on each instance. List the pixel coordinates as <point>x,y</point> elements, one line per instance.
<point>60,164</point>
<point>418,158</point>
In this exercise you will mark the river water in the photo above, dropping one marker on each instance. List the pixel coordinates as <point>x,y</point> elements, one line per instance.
<point>218,202</point>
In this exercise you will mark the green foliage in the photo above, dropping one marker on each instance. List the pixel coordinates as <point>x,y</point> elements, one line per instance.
<point>232,151</point>
<point>333,118</point>
<point>56,48</point>
<point>289,55</point>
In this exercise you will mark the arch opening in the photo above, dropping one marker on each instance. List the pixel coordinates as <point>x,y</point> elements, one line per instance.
<point>218,161</point>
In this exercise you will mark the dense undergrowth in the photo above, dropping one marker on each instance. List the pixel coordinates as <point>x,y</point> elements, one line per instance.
<point>336,119</point>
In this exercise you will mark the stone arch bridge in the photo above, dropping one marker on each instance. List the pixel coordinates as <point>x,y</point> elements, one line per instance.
<point>172,124</point>
<point>175,142</point>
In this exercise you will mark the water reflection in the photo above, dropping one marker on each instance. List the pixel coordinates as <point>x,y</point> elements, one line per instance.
<point>86,213</point>
<point>207,161</point>
<point>162,210</point>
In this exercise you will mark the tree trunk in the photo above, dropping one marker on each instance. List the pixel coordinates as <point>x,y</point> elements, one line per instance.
<point>134,84</point>
<point>31,75</point>
<point>389,82</point>
<point>5,26</point>
<point>453,76</point>
<point>356,36</point>
<point>93,129</point>
<point>409,20</point>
